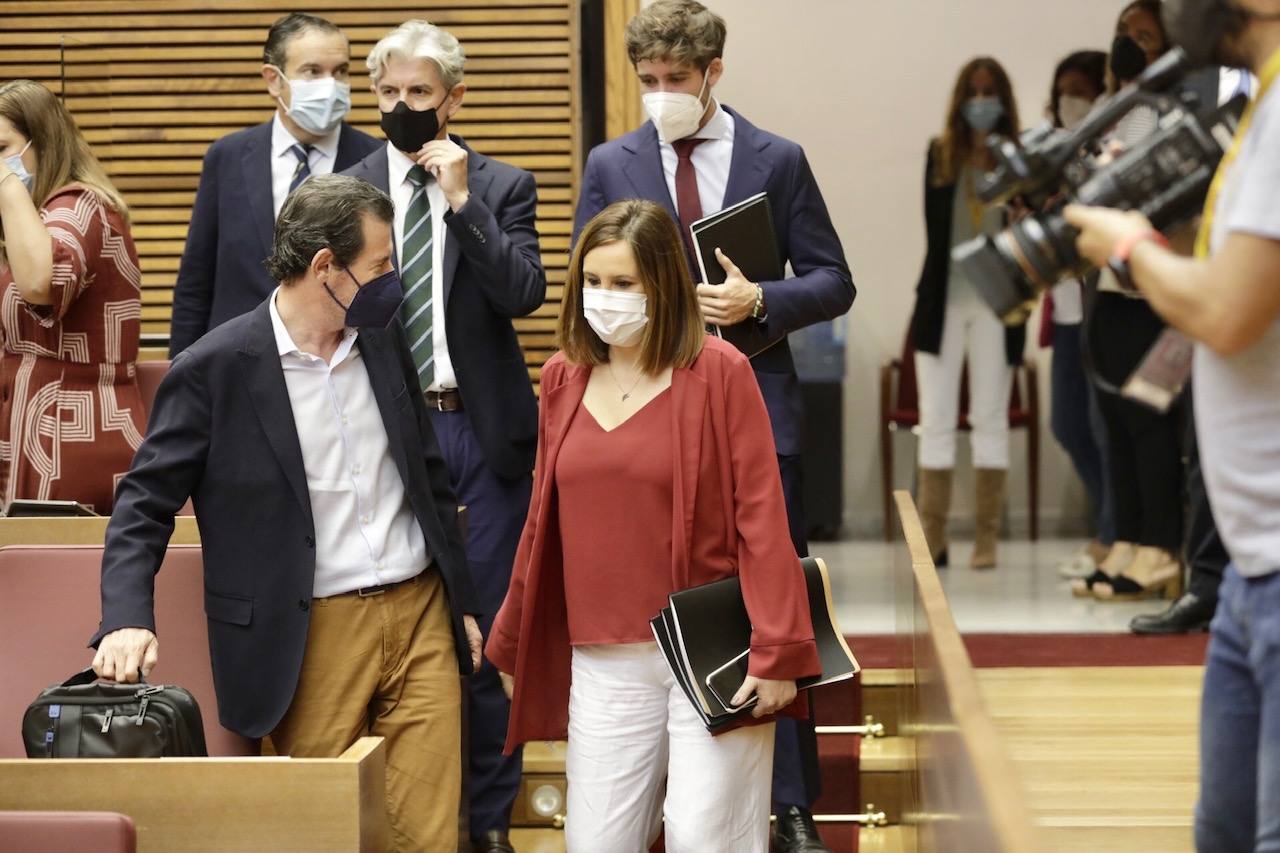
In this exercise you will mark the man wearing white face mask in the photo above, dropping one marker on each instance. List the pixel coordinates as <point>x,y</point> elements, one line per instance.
<point>247,175</point>
<point>695,157</point>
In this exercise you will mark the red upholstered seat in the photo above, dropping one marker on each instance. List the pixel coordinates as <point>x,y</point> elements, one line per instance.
<point>150,374</point>
<point>49,607</point>
<point>58,832</point>
<point>900,409</point>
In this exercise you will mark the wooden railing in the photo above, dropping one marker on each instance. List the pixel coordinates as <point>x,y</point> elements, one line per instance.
<point>963,794</point>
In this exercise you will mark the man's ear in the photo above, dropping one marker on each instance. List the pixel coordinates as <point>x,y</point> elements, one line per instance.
<point>455,99</point>
<point>274,79</point>
<point>714,70</point>
<point>323,264</point>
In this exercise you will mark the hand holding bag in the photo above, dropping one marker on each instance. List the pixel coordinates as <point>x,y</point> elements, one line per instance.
<point>85,718</point>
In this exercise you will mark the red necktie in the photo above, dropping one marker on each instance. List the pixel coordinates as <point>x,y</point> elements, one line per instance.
<point>688,202</point>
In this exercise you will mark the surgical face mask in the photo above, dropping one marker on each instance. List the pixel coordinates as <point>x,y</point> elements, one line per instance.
<point>1072,110</point>
<point>376,302</point>
<point>675,114</point>
<point>410,129</point>
<point>618,318</point>
<point>983,114</point>
<point>15,164</point>
<point>318,106</point>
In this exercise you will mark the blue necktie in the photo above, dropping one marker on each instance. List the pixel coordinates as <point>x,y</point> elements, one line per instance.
<point>303,171</point>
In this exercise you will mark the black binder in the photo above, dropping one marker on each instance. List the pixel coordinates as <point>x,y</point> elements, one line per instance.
<point>745,233</point>
<point>46,509</point>
<point>705,637</point>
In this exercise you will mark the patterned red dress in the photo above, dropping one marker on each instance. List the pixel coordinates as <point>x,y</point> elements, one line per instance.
<point>71,415</point>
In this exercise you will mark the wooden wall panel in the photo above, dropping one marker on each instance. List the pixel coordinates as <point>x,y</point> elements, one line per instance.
<point>153,84</point>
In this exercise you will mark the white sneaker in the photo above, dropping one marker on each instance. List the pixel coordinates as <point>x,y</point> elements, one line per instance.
<point>1078,565</point>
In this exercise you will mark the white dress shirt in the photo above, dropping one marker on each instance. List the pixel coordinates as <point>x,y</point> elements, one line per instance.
<point>366,532</point>
<point>398,165</point>
<point>711,161</point>
<point>284,162</point>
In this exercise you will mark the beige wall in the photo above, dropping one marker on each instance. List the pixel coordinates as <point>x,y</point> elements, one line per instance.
<point>863,85</point>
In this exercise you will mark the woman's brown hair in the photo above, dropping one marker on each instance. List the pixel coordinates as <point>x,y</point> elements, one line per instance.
<point>63,155</point>
<point>674,334</point>
<point>955,146</point>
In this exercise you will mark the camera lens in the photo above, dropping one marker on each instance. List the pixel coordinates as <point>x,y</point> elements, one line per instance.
<point>997,278</point>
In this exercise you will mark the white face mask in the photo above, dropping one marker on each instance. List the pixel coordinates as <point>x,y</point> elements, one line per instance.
<point>1073,110</point>
<point>675,114</point>
<point>318,106</point>
<point>618,318</point>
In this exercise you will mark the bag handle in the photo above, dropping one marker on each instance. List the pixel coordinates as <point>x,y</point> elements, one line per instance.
<point>88,676</point>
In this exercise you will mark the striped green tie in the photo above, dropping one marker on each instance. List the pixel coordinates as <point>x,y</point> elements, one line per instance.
<point>415,272</point>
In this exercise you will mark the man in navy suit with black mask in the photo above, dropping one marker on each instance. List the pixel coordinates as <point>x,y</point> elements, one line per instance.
<point>247,174</point>
<point>697,157</point>
<point>467,250</point>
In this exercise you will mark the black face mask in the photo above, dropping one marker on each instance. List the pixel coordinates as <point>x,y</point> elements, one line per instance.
<point>1128,59</point>
<point>408,129</point>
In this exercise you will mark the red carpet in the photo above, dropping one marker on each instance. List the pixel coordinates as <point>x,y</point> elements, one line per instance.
<point>1025,650</point>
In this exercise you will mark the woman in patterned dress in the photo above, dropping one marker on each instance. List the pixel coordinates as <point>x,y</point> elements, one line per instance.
<point>71,415</point>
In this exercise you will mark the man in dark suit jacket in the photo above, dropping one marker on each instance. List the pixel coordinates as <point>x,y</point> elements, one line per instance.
<point>467,249</point>
<point>337,590</point>
<point>247,174</point>
<point>696,157</point>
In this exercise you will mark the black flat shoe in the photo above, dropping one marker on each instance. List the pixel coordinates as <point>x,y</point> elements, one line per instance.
<point>1188,614</point>
<point>492,841</point>
<point>797,833</point>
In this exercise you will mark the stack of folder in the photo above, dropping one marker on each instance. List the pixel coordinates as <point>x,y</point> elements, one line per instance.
<point>705,636</point>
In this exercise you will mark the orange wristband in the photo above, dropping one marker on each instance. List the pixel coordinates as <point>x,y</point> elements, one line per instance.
<point>1124,248</point>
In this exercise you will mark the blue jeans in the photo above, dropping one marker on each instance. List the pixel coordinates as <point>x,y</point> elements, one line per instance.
<point>1077,426</point>
<point>1239,808</point>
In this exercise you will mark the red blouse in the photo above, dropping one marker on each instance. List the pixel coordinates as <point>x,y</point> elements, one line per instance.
<point>614,490</point>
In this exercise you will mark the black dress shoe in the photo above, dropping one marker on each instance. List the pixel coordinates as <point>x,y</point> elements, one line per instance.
<point>797,833</point>
<point>1189,613</point>
<point>492,841</point>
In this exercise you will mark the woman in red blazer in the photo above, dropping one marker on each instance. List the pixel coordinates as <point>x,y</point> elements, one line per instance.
<point>656,472</point>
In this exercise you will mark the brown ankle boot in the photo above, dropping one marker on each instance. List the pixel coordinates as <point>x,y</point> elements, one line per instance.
<point>935,503</point>
<point>989,494</point>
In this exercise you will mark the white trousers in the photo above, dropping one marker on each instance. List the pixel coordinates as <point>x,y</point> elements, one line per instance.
<point>970,329</point>
<point>631,727</point>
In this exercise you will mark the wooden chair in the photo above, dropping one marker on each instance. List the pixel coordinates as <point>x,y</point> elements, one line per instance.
<point>900,409</point>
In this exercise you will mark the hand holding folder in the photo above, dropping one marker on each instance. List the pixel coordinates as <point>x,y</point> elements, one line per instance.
<point>745,234</point>
<point>705,636</point>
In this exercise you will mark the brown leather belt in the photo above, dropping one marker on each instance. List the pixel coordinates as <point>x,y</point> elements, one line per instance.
<point>448,400</point>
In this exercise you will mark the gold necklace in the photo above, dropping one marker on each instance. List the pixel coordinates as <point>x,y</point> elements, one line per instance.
<point>626,392</point>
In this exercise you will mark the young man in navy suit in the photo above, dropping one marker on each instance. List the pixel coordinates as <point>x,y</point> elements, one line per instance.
<point>247,174</point>
<point>467,250</point>
<point>697,157</point>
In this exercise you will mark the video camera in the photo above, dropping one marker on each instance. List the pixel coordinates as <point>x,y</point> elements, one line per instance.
<point>1166,177</point>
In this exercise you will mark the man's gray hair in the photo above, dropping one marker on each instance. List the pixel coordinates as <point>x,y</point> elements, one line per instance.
<point>419,40</point>
<point>326,212</point>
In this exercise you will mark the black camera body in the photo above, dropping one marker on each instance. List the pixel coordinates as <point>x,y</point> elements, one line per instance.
<point>1166,177</point>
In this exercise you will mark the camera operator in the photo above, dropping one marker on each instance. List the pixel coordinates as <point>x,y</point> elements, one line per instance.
<point>1228,300</point>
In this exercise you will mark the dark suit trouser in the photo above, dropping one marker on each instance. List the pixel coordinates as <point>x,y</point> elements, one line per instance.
<point>1203,551</point>
<point>796,778</point>
<point>496,510</point>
